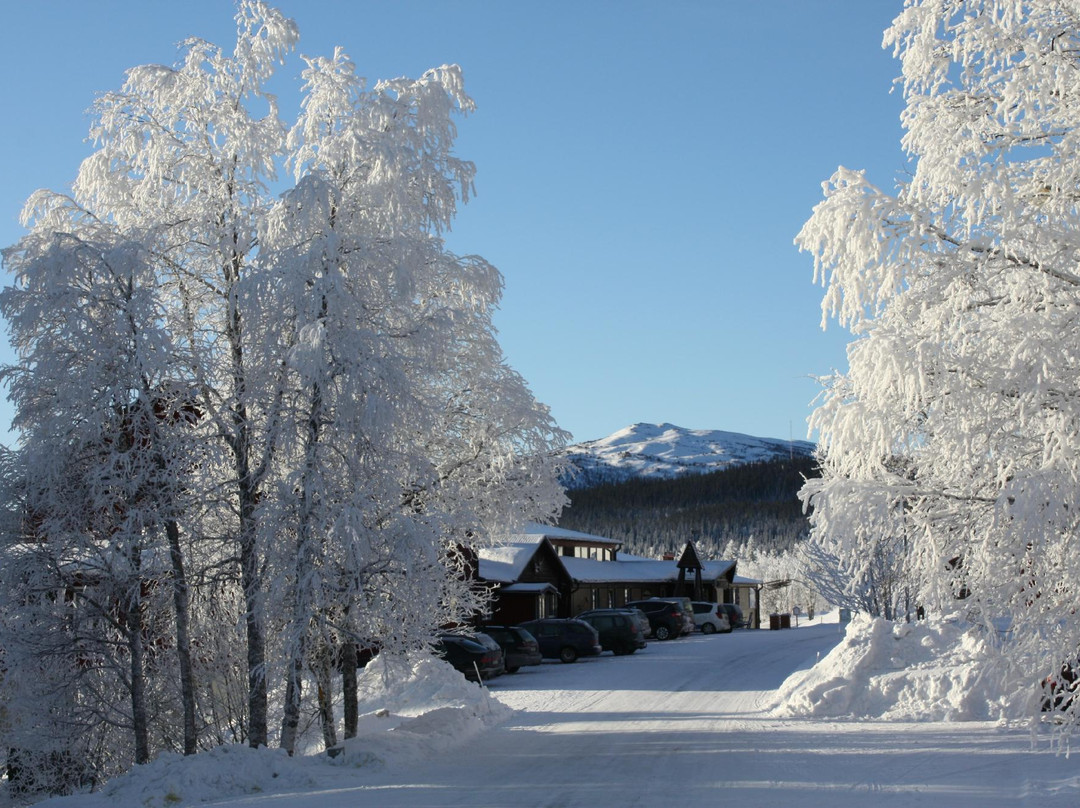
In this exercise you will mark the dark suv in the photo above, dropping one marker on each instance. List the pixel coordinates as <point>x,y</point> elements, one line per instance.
<point>519,646</point>
<point>734,615</point>
<point>564,639</point>
<point>636,615</point>
<point>477,656</point>
<point>665,618</point>
<point>686,607</point>
<point>618,630</point>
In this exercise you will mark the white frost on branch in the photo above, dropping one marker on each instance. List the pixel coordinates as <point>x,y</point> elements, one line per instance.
<point>952,442</point>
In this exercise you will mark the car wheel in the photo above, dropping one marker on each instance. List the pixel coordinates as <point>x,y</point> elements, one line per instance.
<point>514,669</point>
<point>568,654</point>
<point>708,628</point>
<point>662,633</point>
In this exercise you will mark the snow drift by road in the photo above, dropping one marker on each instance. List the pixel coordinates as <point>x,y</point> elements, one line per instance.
<point>747,715</point>
<point>900,672</point>
<point>410,709</point>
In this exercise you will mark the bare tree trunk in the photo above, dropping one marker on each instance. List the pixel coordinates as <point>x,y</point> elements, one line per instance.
<point>250,577</point>
<point>132,614</point>
<point>349,694</point>
<point>237,434</point>
<point>301,602</point>
<point>138,692</point>
<point>183,640</point>
<point>290,722</point>
<point>251,582</point>
<point>324,668</point>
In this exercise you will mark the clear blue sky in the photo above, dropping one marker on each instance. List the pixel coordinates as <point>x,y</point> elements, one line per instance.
<point>642,170</point>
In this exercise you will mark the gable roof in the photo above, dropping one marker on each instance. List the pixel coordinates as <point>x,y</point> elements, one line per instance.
<point>557,533</point>
<point>504,563</point>
<point>739,579</point>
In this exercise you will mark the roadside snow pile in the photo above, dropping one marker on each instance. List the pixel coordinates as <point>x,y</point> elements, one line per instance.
<point>175,780</point>
<point>897,671</point>
<point>409,709</point>
<point>427,704</point>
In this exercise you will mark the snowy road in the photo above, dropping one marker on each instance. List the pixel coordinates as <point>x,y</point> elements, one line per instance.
<point>682,723</point>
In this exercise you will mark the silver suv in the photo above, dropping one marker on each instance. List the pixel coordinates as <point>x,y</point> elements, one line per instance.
<point>710,617</point>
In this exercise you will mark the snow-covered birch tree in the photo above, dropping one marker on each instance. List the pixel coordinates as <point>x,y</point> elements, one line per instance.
<point>185,156</point>
<point>356,425</point>
<point>98,405</point>
<point>387,334</point>
<point>955,431</point>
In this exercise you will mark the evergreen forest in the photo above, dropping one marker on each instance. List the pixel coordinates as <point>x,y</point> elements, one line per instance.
<point>753,504</point>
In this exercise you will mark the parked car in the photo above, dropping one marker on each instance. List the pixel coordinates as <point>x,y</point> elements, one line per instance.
<point>618,630</point>
<point>710,618</point>
<point>734,615</point>
<point>665,618</point>
<point>687,610</point>
<point>1059,691</point>
<point>519,647</point>
<point>642,621</point>
<point>477,656</point>
<point>564,639</point>
<point>638,616</point>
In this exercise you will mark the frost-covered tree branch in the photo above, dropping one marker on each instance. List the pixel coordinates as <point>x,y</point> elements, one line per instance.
<point>234,401</point>
<point>950,445</point>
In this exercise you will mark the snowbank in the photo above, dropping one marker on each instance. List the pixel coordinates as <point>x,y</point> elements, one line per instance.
<point>906,672</point>
<point>409,709</point>
<point>414,709</point>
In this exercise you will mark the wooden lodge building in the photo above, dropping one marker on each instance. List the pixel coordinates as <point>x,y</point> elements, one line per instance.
<point>552,572</point>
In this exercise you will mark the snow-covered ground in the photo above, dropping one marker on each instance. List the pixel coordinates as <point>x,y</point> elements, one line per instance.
<point>745,719</point>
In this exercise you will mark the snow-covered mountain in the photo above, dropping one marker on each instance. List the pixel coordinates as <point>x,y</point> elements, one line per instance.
<point>665,451</point>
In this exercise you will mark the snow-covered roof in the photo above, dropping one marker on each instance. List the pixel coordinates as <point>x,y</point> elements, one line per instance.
<point>711,570</point>
<point>504,563</point>
<point>532,528</point>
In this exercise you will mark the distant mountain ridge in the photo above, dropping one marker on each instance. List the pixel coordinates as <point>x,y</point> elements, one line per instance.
<point>666,451</point>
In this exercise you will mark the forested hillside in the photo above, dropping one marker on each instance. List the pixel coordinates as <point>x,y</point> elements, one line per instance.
<point>757,501</point>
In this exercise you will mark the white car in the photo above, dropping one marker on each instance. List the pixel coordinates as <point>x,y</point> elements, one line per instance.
<point>710,618</point>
